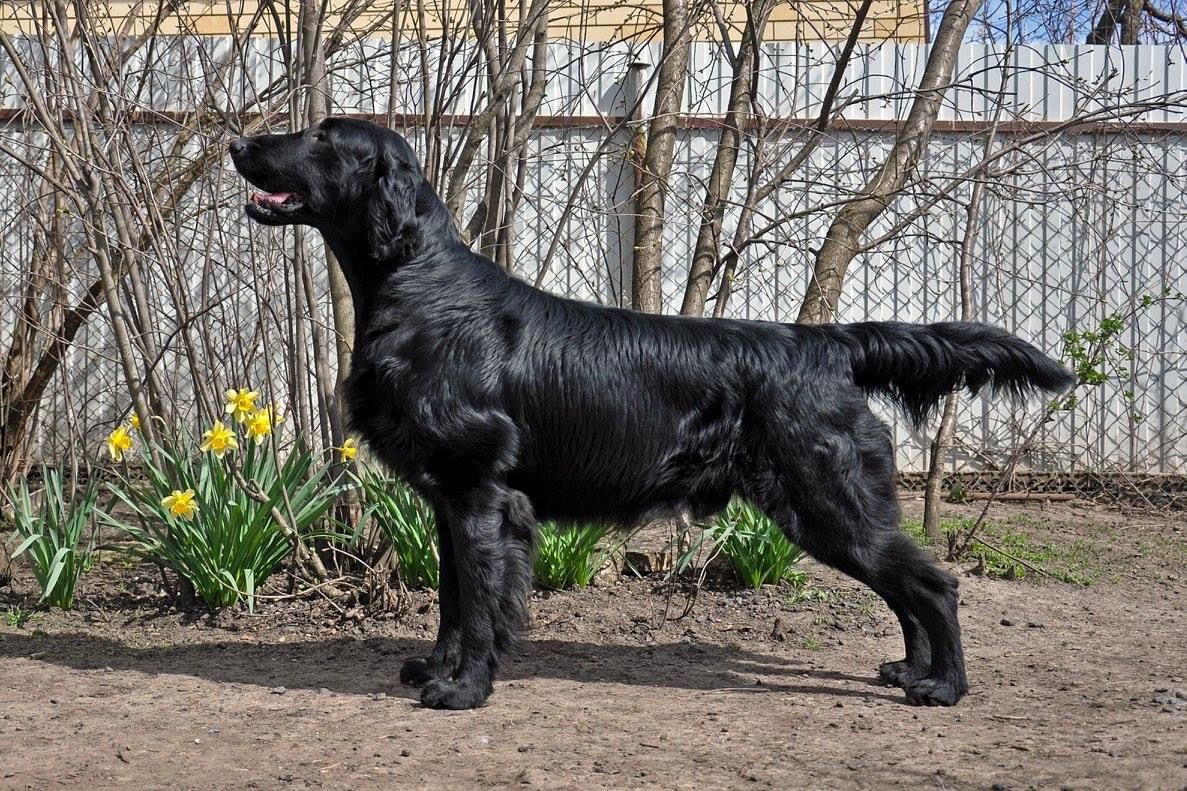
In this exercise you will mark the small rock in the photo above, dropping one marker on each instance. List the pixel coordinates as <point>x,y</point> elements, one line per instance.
<point>643,563</point>
<point>1170,701</point>
<point>608,574</point>
<point>278,690</point>
<point>1034,625</point>
<point>1007,622</point>
<point>405,753</point>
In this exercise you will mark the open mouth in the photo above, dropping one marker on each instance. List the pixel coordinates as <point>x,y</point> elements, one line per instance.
<point>282,201</point>
<point>275,208</point>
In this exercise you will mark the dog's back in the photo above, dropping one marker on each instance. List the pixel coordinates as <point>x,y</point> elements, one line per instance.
<point>624,415</point>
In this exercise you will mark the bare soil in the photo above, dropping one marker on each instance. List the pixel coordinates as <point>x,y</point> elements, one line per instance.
<point>1072,687</point>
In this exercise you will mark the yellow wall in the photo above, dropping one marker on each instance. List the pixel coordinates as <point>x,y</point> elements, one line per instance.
<point>589,20</point>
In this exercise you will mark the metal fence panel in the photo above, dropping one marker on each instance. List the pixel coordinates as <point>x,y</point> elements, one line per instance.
<point>1083,223</point>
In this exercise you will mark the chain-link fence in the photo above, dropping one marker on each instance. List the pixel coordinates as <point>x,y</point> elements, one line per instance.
<point>1082,151</point>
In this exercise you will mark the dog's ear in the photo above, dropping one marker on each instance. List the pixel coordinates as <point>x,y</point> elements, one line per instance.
<point>394,226</point>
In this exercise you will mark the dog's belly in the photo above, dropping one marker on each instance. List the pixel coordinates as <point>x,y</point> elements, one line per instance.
<point>626,452</point>
<point>627,486</point>
<point>589,502</point>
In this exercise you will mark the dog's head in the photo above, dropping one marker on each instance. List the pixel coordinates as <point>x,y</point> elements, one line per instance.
<point>348,178</point>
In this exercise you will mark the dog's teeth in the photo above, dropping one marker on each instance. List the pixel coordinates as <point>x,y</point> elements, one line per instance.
<point>272,198</point>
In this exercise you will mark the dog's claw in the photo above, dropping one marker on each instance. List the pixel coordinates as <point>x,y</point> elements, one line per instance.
<point>934,692</point>
<point>417,671</point>
<point>900,673</point>
<point>447,694</point>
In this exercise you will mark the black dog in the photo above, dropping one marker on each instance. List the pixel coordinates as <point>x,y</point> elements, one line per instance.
<point>502,404</point>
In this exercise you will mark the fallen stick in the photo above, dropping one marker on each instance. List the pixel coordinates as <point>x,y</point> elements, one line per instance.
<point>1055,497</point>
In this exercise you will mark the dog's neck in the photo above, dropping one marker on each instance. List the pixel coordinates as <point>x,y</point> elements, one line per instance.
<point>366,274</point>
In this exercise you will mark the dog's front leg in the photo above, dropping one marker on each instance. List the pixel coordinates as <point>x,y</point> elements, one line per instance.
<point>478,542</point>
<point>446,654</point>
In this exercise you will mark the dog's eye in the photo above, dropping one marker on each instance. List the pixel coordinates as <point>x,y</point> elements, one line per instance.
<point>319,136</point>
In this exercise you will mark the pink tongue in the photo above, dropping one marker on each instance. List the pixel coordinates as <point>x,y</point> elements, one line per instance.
<point>273,197</point>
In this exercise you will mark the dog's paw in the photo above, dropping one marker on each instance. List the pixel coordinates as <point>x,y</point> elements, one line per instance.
<point>447,694</point>
<point>934,692</point>
<point>417,671</point>
<point>899,674</point>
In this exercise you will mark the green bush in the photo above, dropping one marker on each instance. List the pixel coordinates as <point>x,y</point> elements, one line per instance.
<point>570,556</point>
<point>755,546</point>
<point>52,535</point>
<point>229,543</point>
<point>407,522</point>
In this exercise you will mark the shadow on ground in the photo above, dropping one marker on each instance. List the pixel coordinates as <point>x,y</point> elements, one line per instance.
<point>368,666</point>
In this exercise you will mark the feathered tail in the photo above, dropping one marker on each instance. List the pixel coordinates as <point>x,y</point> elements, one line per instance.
<point>916,365</point>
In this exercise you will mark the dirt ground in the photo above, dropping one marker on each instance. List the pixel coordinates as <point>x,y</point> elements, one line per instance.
<point>1072,687</point>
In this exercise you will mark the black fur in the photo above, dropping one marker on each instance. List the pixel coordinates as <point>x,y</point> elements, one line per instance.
<point>503,404</point>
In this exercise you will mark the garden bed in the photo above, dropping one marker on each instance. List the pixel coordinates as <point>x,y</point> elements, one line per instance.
<point>1073,685</point>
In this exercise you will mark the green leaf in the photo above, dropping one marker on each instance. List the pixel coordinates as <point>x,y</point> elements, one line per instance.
<point>28,542</point>
<point>56,565</point>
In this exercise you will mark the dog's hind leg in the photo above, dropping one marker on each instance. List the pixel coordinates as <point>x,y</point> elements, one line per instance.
<point>930,595</point>
<point>834,496</point>
<point>446,653</point>
<point>918,660</point>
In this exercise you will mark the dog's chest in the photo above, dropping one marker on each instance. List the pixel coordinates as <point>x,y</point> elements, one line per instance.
<point>398,402</point>
<point>379,410</point>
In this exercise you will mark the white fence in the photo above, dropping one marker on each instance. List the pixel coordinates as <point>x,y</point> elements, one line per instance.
<point>1079,222</point>
<point>1042,83</point>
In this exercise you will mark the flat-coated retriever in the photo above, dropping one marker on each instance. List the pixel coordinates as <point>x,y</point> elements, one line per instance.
<point>502,404</point>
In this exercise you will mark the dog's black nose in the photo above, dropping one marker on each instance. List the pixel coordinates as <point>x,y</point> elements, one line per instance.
<point>239,145</point>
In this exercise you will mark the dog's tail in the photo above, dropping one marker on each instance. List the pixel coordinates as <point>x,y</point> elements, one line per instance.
<point>916,365</point>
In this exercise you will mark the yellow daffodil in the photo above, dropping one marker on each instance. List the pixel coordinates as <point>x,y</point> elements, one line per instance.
<point>181,504</point>
<point>134,421</point>
<point>241,403</point>
<point>349,449</point>
<point>260,424</point>
<point>119,442</point>
<point>219,440</point>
